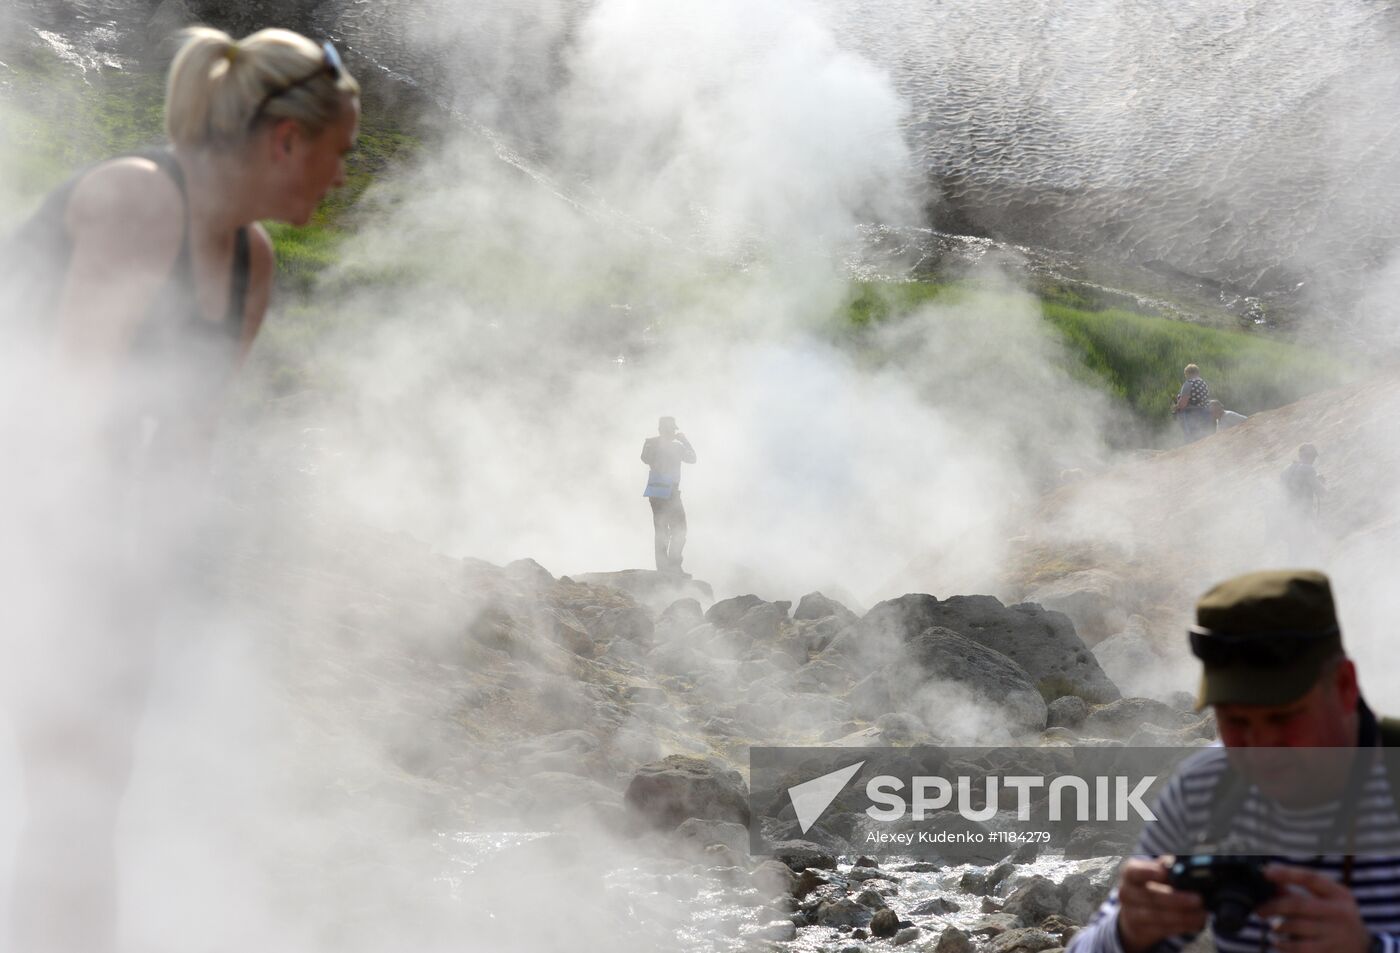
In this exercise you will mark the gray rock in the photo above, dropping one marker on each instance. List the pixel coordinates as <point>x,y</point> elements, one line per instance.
<point>775,878</point>
<point>727,612</point>
<point>1034,900</point>
<point>529,573</point>
<point>807,881</point>
<point>871,899</point>
<point>1091,598</point>
<point>668,792</point>
<point>1087,887</point>
<point>841,913</point>
<point>994,924</point>
<point>935,907</point>
<point>1067,711</point>
<point>946,655</point>
<point>814,605</point>
<point>884,923</point>
<point>937,657</point>
<point>1060,927</point>
<point>764,622</point>
<point>819,675</point>
<point>681,616</point>
<point>1121,718</point>
<point>905,936</point>
<point>1024,940</point>
<point>1041,641</point>
<point>801,855</point>
<point>953,940</point>
<point>781,931</point>
<point>1026,853</point>
<point>704,833</point>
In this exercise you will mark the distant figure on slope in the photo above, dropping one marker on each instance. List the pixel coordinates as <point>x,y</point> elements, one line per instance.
<point>1192,405</point>
<point>665,453</point>
<point>1302,482</point>
<point>1303,488</point>
<point>1224,419</point>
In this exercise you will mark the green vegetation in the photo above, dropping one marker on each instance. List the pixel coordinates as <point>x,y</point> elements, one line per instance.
<point>1136,357</point>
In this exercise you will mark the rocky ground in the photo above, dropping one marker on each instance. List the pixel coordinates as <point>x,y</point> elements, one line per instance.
<point>485,698</point>
<point>502,698</point>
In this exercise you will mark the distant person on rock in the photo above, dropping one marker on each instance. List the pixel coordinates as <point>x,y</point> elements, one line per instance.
<point>1192,405</point>
<point>665,453</point>
<point>1224,419</point>
<point>134,293</point>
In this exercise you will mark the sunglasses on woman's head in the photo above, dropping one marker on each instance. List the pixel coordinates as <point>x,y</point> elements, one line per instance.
<point>331,65</point>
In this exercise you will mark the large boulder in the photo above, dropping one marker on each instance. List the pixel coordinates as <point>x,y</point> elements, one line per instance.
<point>938,656</point>
<point>814,605</point>
<point>1041,641</point>
<point>1034,900</point>
<point>764,621</point>
<point>679,617</point>
<point>989,675</point>
<point>727,612</point>
<point>1092,599</point>
<point>670,791</point>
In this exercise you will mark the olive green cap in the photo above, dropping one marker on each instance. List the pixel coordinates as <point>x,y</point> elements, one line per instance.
<point>1287,615</point>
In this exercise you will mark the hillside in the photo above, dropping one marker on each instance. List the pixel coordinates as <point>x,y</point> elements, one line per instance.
<point>1165,526</point>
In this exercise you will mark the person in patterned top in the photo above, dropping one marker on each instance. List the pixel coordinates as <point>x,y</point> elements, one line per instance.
<point>1192,405</point>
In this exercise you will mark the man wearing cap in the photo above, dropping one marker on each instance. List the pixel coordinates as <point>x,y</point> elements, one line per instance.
<point>1278,678</point>
<point>665,453</point>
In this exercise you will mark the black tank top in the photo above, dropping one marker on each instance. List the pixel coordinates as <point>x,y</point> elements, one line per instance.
<point>179,362</point>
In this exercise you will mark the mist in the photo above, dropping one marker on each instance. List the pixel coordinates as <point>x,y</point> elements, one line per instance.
<point>674,237</point>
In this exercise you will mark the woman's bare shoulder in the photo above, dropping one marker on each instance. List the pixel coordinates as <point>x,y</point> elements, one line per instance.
<point>129,203</point>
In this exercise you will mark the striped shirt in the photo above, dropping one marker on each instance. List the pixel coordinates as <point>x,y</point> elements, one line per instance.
<point>1184,817</point>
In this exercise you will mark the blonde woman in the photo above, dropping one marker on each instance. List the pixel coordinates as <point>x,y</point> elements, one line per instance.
<point>144,280</point>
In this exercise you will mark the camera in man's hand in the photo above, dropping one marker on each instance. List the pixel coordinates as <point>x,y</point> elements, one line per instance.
<point>1231,887</point>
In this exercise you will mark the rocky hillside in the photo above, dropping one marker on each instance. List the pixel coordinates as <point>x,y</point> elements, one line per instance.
<point>1126,552</point>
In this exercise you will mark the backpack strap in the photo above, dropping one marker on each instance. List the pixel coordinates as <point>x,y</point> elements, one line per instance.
<point>1390,738</point>
<point>239,280</point>
<point>1228,797</point>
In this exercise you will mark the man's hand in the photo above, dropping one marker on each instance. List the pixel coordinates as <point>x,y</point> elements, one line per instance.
<point>1150,910</point>
<point>1314,913</point>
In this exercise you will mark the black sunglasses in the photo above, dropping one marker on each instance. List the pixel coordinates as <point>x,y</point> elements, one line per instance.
<point>331,65</point>
<point>1265,649</point>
